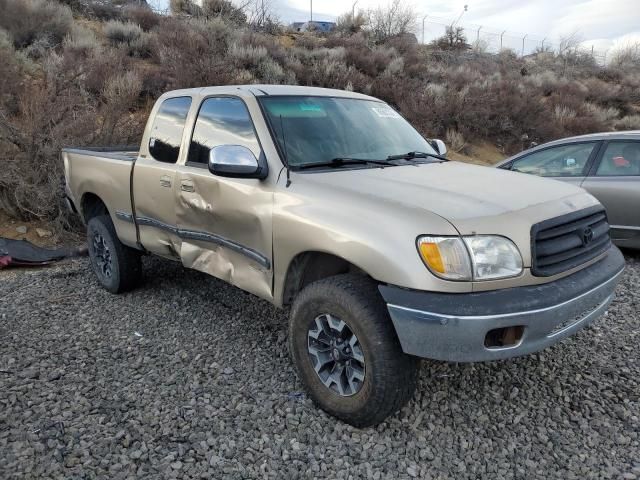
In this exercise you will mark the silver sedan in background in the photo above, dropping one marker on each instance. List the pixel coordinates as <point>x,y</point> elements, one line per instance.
<point>607,165</point>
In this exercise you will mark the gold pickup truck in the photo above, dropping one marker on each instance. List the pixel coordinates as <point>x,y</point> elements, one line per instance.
<point>330,202</point>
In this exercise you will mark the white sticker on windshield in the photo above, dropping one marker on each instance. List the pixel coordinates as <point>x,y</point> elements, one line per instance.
<point>385,112</point>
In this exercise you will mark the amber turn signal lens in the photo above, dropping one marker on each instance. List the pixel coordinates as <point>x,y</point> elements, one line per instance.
<point>445,257</point>
<point>431,254</point>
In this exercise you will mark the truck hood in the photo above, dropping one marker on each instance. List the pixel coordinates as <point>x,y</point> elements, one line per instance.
<point>474,199</point>
<point>453,190</point>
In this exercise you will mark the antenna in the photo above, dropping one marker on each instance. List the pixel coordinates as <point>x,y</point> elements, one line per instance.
<point>286,156</point>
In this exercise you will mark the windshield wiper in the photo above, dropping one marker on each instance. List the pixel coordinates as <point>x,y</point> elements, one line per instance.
<point>412,155</point>
<point>340,161</point>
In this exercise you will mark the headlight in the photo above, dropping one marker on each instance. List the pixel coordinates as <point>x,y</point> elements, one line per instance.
<point>446,257</point>
<point>478,257</point>
<point>493,257</point>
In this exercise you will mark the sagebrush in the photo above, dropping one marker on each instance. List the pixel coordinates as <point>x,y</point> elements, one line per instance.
<point>92,79</point>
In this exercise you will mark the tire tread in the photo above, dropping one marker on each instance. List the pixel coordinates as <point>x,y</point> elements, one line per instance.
<point>397,373</point>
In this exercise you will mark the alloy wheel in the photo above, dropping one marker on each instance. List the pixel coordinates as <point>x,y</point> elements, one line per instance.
<point>336,355</point>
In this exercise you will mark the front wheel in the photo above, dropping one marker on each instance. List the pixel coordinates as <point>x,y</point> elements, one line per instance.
<point>346,351</point>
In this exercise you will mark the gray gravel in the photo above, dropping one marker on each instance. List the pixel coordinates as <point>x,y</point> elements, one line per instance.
<point>188,377</point>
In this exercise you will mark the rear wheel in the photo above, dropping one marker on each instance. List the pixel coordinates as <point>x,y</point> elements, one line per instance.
<point>347,353</point>
<point>117,267</point>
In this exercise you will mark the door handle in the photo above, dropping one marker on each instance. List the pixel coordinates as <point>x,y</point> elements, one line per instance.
<point>187,186</point>
<point>165,181</point>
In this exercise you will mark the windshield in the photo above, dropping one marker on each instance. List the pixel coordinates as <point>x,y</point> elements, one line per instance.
<point>319,129</point>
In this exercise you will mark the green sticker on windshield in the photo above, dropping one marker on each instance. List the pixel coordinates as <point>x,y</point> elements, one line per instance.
<point>310,107</point>
<point>295,109</point>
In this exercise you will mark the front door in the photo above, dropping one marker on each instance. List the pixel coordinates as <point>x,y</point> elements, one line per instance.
<point>225,223</point>
<point>615,182</point>
<point>154,180</point>
<point>568,162</point>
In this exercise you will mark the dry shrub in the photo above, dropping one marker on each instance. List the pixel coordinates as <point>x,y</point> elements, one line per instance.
<point>53,111</point>
<point>120,32</point>
<point>65,84</point>
<point>604,115</point>
<point>119,96</point>
<point>247,55</point>
<point>626,57</point>
<point>396,19</point>
<point>631,122</point>
<point>103,11</point>
<point>130,36</point>
<point>225,10</point>
<point>14,66</point>
<point>193,52</point>
<point>81,40</point>
<point>100,65</point>
<point>455,140</point>
<point>31,20</point>
<point>351,22</point>
<point>184,7</point>
<point>144,17</point>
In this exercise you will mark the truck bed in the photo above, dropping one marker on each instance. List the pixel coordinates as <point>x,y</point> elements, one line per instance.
<point>125,152</point>
<point>103,173</point>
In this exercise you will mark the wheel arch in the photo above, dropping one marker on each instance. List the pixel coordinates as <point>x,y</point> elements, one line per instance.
<point>91,205</point>
<point>310,266</point>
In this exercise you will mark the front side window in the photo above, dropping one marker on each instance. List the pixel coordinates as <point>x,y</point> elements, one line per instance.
<point>168,126</point>
<point>222,121</point>
<point>318,129</point>
<point>561,161</point>
<point>620,159</point>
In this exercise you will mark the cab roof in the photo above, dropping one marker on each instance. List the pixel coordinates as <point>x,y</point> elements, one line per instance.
<point>267,90</point>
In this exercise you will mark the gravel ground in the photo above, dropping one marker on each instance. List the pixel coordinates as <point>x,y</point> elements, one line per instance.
<point>188,377</point>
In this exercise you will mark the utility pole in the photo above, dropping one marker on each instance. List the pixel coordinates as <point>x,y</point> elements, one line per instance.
<point>466,7</point>
<point>501,35</point>
<point>478,34</point>
<point>423,19</point>
<point>523,39</point>
<point>311,11</point>
<point>542,47</point>
<point>353,10</point>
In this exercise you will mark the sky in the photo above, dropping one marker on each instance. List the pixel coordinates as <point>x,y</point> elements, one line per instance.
<point>601,23</point>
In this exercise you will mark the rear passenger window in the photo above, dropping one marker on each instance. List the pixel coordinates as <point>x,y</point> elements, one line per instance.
<point>166,133</point>
<point>222,121</point>
<point>620,159</point>
<point>568,160</point>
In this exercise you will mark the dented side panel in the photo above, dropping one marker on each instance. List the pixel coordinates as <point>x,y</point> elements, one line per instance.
<point>225,228</point>
<point>154,201</point>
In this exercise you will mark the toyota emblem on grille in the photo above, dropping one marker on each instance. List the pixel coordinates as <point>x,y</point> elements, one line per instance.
<point>587,236</point>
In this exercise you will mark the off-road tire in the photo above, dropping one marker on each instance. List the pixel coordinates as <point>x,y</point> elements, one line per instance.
<point>390,375</point>
<point>125,263</point>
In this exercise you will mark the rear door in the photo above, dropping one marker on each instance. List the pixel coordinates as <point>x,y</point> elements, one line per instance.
<point>225,223</point>
<point>568,162</point>
<point>615,181</point>
<point>154,179</point>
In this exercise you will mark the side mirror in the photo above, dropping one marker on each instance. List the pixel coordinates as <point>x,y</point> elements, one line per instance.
<point>236,161</point>
<point>439,146</point>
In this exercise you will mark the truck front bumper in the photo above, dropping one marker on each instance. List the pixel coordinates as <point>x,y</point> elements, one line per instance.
<point>500,324</point>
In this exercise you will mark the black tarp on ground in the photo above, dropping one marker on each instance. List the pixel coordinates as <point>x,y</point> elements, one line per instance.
<point>23,253</point>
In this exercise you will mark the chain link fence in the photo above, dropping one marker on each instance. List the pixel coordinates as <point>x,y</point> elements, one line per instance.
<point>485,39</point>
